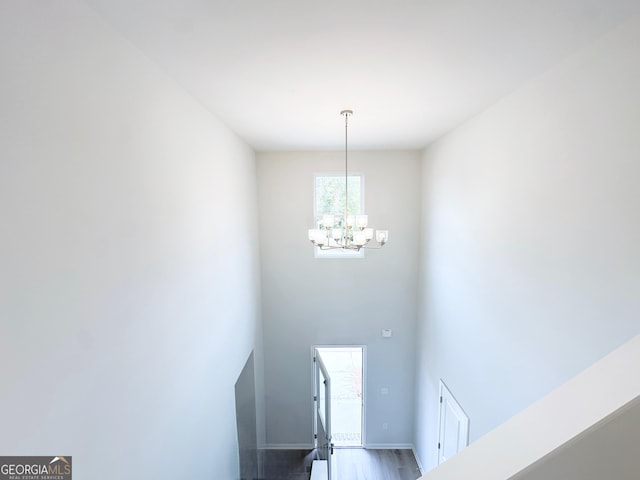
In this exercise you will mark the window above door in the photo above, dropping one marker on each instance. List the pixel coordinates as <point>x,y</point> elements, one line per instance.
<point>330,199</point>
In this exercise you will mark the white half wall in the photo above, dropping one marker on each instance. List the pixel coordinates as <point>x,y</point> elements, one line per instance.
<point>562,435</point>
<point>309,301</point>
<point>530,269</point>
<point>127,311</point>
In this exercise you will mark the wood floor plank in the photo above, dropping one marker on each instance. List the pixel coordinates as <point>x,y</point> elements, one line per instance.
<point>349,463</point>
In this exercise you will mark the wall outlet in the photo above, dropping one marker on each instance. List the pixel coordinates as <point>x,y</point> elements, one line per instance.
<point>385,426</point>
<point>384,391</point>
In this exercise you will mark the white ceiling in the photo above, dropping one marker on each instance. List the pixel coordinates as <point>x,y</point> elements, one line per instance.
<point>278,72</point>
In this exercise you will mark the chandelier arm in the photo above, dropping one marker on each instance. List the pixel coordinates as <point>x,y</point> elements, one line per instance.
<point>350,247</point>
<point>338,247</point>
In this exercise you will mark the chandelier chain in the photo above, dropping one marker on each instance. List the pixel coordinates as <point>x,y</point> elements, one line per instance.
<point>346,167</point>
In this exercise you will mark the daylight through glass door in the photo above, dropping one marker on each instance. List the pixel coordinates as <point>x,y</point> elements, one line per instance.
<point>345,366</point>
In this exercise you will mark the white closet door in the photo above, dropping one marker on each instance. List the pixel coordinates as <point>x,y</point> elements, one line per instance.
<point>454,426</point>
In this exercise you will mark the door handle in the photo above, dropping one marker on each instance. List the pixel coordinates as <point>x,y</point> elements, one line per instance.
<point>331,448</point>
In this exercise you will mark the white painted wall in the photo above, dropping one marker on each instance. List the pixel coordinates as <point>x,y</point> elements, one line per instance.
<point>530,268</point>
<point>310,301</point>
<point>127,309</point>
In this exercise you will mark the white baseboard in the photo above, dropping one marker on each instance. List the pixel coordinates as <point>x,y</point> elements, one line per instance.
<point>415,454</point>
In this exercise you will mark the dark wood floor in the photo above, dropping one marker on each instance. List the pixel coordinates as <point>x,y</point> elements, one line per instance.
<point>349,464</point>
<point>287,464</point>
<point>361,464</point>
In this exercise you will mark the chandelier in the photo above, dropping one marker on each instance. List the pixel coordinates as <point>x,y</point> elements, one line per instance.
<point>344,230</point>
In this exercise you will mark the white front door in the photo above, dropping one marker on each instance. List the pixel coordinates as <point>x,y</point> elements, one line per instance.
<point>345,365</point>
<point>454,426</point>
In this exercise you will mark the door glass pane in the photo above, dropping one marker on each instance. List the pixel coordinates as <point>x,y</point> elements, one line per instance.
<point>345,366</point>
<point>322,402</point>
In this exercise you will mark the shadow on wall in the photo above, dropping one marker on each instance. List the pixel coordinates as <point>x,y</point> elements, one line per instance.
<point>246,421</point>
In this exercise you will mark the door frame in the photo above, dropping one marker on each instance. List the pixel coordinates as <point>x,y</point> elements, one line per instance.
<point>363,423</point>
